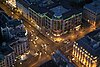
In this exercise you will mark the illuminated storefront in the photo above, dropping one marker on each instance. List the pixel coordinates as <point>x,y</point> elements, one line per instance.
<point>91,13</point>
<point>84,57</point>
<point>56,25</point>
<point>86,50</point>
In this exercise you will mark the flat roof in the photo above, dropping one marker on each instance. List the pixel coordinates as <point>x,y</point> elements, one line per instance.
<point>5,49</point>
<point>54,9</point>
<point>94,6</point>
<point>59,10</point>
<point>91,42</point>
<point>13,23</point>
<point>18,32</point>
<point>95,35</point>
<point>4,18</point>
<point>60,59</point>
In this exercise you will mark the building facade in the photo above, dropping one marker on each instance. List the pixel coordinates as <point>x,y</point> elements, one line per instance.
<point>57,19</point>
<point>46,18</point>
<point>22,7</point>
<point>13,31</point>
<point>20,46</point>
<point>2,61</point>
<point>7,56</point>
<point>15,39</point>
<point>86,49</point>
<point>91,12</point>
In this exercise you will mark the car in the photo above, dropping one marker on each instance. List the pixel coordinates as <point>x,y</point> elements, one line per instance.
<point>36,38</point>
<point>36,54</point>
<point>66,42</point>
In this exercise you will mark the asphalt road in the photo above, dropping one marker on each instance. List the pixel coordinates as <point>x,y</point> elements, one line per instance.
<point>41,47</point>
<point>35,48</point>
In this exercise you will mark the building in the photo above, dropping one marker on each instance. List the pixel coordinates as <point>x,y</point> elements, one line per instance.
<point>91,12</point>
<point>19,37</point>
<point>49,63</point>
<point>22,6</point>
<point>56,18</point>
<point>15,37</point>
<point>19,42</point>
<point>15,34</point>
<point>2,62</point>
<point>7,56</point>
<point>87,49</point>
<point>61,60</point>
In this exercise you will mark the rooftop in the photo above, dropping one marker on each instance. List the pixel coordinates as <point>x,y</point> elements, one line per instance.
<point>59,10</point>
<point>94,6</point>
<point>13,23</point>
<point>61,60</point>
<point>95,35</point>
<point>54,9</point>
<point>4,18</point>
<point>18,32</point>
<point>5,49</point>
<point>10,28</point>
<point>91,42</point>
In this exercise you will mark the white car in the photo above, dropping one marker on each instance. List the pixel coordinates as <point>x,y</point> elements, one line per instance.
<point>36,38</point>
<point>36,54</point>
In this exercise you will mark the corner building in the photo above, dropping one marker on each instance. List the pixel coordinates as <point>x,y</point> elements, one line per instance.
<point>87,49</point>
<point>55,17</point>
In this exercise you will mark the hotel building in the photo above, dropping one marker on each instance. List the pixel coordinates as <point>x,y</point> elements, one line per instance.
<point>87,49</point>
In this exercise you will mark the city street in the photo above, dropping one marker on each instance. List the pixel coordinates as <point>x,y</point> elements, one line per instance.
<point>41,47</point>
